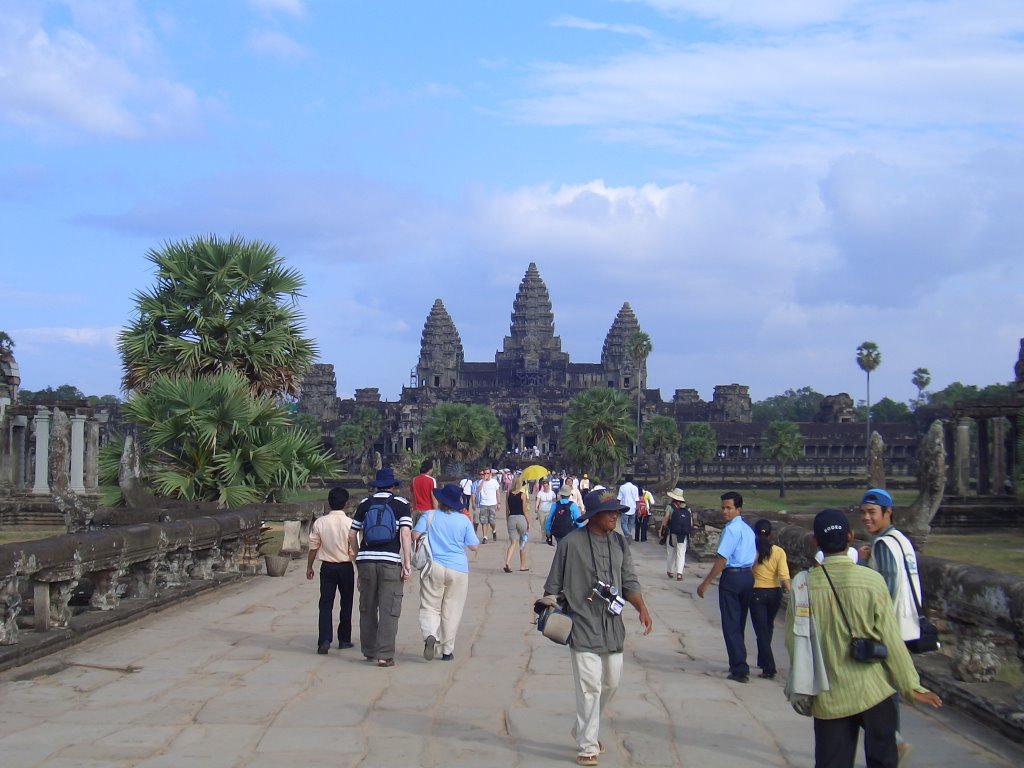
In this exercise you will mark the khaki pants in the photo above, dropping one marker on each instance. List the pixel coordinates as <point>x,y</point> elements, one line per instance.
<point>442,598</point>
<point>596,678</point>
<point>380,605</point>
<point>676,551</point>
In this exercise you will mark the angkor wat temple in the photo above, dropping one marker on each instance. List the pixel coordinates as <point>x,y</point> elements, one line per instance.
<point>531,380</point>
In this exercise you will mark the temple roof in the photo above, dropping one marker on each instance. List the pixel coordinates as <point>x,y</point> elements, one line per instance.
<point>617,341</point>
<point>439,332</point>
<point>531,310</point>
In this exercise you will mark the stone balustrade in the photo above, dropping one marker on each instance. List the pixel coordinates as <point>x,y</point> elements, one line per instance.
<point>130,561</point>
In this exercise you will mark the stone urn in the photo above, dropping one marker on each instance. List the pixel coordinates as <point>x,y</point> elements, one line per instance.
<point>276,564</point>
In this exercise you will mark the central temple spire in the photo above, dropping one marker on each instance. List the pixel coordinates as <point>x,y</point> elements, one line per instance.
<point>531,310</point>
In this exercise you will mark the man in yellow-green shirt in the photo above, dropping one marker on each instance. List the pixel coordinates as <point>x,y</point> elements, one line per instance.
<point>860,693</point>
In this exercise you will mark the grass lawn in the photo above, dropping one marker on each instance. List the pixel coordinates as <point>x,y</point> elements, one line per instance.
<point>1003,551</point>
<point>767,499</point>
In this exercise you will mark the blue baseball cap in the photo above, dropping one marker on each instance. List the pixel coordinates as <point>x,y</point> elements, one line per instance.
<point>877,496</point>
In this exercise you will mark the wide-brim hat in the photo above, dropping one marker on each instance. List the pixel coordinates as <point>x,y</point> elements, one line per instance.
<point>597,502</point>
<point>676,494</point>
<point>450,496</point>
<point>385,479</point>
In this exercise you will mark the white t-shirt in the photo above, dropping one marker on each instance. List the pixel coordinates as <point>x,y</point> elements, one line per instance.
<point>488,491</point>
<point>851,553</point>
<point>628,494</point>
<point>467,487</point>
<point>544,500</point>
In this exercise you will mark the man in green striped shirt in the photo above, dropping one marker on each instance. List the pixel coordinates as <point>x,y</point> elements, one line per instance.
<point>860,693</point>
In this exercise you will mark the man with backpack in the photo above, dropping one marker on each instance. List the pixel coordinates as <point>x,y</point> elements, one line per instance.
<point>563,517</point>
<point>675,530</point>
<point>384,521</point>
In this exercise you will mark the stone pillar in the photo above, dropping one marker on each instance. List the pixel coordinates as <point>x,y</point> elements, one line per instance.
<point>999,455</point>
<point>984,467</point>
<point>77,453</point>
<point>92,454</point>
<point>41,605</point>
<point>962,458</point>
<point>42,484</point>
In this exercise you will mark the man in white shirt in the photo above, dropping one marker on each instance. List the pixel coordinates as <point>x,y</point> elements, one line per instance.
<point>628,495</point>
<point>329,541</point>
<point>488,490</point>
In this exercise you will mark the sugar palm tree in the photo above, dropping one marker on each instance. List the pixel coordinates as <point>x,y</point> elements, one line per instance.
<point>661,436</point>
<point>922,377</point>
<point>699,443</point>
<point>868,358</point>
<point>460,433</point>
<point>218,305</point>
<point>639,347</point>
<point>784,444</point>
<point>596,430</point>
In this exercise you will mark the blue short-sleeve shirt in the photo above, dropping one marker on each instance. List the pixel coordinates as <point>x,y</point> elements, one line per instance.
<point>737,544</point>
<point>450,533</point>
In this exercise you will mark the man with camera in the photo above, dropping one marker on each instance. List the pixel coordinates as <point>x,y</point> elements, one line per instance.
<point>592,572</point>
<point>864,657</point>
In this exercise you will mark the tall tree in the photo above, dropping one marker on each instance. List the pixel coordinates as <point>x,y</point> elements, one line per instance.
<point>792,405</point>
<point>6,342</point>
<point>784,444</point>
<point>661,436</point>
<point>868,358</point>
<point>921,378</point>
<point>639,347</point>
<point>461,433</point>
<point>700,443</point>
<point>348,442</point>
<point>888,410</point>
<point>597,430</point>
<point>211,439</point>
<point>219,305</point>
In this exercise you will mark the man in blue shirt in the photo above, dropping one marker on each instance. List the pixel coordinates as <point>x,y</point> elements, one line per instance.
<point>736,555</point>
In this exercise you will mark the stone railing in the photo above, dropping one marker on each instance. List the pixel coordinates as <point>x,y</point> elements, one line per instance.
<point>133,561</point>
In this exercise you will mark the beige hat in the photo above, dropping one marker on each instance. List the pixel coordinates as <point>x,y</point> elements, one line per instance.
<point>676,494</point>
<point>565,491</point>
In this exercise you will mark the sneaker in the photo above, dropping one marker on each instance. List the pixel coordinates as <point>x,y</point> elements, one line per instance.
<point>429,646</point>
<point>903,751</point>
<point>737,678</point>
<point>767,675</point>
<point>484,541</point>
<point>447,657</point>
<point>323,648</point>
<point>344,645</point>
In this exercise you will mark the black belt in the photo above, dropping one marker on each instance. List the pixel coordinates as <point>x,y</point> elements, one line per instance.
<point>727,570</point>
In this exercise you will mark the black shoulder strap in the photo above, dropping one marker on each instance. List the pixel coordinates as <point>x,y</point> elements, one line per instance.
<point>838,601</point>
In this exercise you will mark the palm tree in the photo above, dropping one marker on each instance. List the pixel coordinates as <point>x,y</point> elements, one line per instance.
<point>922,377</point>
<point>6,342</point>
<point>210,438</point>
<point>868,358</point>
<point>700,443</point>
<point>661,436</point>
<point>596,430</point>
<point>457,432</point>
<point>639,347</point>
<point>348,442</point>
<point>218,305</point>
<point>784,444</point>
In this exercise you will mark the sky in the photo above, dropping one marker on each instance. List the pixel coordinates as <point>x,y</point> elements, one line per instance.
<point>768,184</point>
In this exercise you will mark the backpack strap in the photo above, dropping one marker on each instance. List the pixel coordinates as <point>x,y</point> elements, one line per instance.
<point>910,581</point>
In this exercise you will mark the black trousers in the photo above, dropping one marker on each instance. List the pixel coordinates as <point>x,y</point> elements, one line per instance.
<point>764,605</point>
<point>640,532</point>
<point>835,741</point>
<point>336,577</point>
<point>735,588</point>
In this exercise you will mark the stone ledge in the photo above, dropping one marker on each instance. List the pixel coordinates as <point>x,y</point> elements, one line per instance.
<point>36,645</point>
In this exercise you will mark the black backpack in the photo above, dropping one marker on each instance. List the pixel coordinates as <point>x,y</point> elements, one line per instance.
<point>561,518</point>
<point>379,524</point>
<point>680,524</point>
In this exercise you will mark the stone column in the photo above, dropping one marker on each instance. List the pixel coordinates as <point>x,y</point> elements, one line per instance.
<point>962,458</point>
<point>92,454</point>
<point>42,484</point>
<point>999,455</point>
<point>984,468</point>
<point>20,454</point>
<point>78,453</point>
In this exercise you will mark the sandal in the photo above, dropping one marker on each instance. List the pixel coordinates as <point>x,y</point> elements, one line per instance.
<point>385,662</point>
<point>523,569</point>
<point>507,569</point>
<point>679,577</point>
<point>586,759</point>
<point>669,574</point>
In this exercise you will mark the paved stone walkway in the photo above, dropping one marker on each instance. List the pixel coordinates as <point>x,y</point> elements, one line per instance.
<point>232,679</point>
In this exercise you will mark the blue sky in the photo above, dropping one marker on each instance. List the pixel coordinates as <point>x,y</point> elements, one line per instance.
<point>767,183</point>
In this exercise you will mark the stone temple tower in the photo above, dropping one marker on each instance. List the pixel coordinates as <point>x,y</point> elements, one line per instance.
<point>619,366</point>
<point>532,355</point>
<point>440,350</point>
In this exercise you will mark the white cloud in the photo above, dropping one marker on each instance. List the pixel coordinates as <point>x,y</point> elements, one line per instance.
<point>291,7</point>
<point>277,44</point>
<point>776,13</point>
<point>37,337</point>
<point>85,78</point>
<point>575,22</point>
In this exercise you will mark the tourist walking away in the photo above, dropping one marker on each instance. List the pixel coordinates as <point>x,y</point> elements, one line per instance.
<point>592,572</point>
<point>443,590</point>
<point>644,505</point>
<point>892,554</point>
<point>563,518</point>
<point>329,543</point>
<point>466,486</point>
<point>864,657</point>
<point>628,495</point>
<point>585,484</point>
<point>422,487</point>
<point>487,491</point>
<point>675,529</point>
<point>736,554</point>
<point>518,522</point>
<point>545,497</point>
<point>771,577</point>
<point>383,522</point>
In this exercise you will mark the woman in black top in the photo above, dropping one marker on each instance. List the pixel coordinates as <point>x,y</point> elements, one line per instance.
<point>517,504</point>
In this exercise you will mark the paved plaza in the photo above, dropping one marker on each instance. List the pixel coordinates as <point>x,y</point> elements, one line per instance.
<point>232,678</point>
